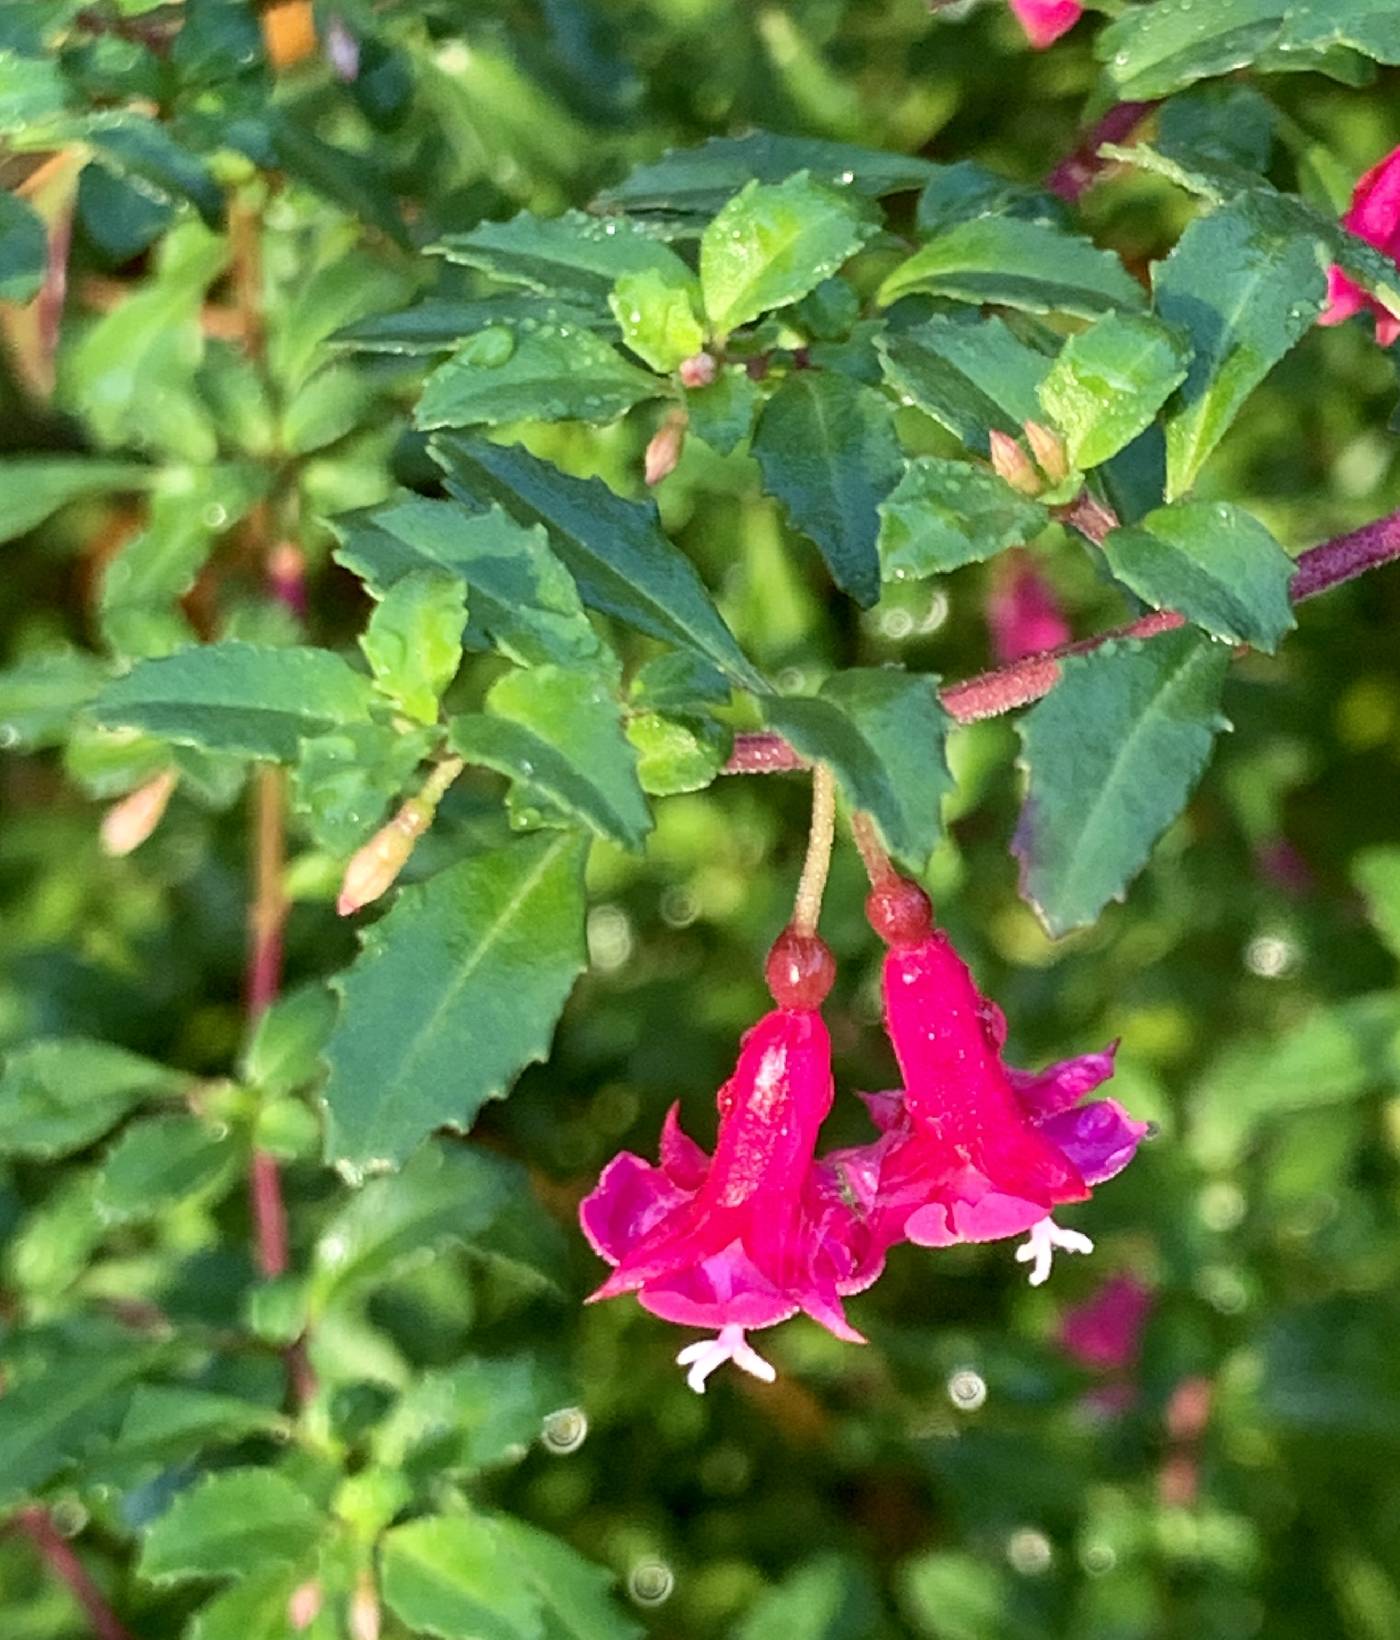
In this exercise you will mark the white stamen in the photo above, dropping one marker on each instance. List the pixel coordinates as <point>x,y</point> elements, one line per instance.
<point>703,1357</point>
<point>1038,1249</point>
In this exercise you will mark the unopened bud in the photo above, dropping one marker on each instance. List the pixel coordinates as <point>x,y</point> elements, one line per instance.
<point>286,577</point>
<point>699,370</point>
<point>1048,448</point>
<point>364,1610</point>
<point>305,1604</point>
<point>127,824</point>
<point>664,451</point>
<point>373,870</point>
<point>1013,464</point>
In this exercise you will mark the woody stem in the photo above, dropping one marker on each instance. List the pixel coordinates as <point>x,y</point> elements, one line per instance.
<point>872,850</point>
<point>807,907</point>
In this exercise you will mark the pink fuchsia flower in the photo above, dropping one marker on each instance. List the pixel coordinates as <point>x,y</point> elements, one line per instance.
<point>1023,613</point>
<point>1046,20</point>
<point>1105,1332</point>
<point>971,1149</point>
<point>760,1231</point>
<point>1375,217</point>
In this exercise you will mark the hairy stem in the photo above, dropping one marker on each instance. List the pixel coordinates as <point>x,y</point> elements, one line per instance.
<point>872,850</point>
<point>57,1553</point>
<point>807,906</point>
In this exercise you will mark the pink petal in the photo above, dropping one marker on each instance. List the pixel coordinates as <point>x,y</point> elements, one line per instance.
<point>886,1109</point>
<point>1099,1138</point>
<point>1058,1086</point>
<point>1046,20</point>
<point>629,1199</point>
<point>1106,1331</point>
<point>1375,204</point>
<point>1344,298</point>
<point>989,1215</point>
<point>1023,613</point>
<point>725,1290</point>
<point>684,1163</point>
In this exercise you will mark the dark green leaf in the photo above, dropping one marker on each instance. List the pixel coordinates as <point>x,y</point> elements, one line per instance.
<point>283,1052</point>
<point>437,325</point>
<point>830,1598</point>
<point>58,1096</point>
<point>723,412</point>
<point>343,781</point>
<point>24,250</point>
<point>960,192</point>
<point>443,1575</point>
<point>143,152</point>
<point>351,180</point>
<point>1111,756</point>
<point>170,1422</point>
<point>1109,382</point>
<point>229,1525</point>
<point>970,378</point>
<point>943,514</point>
<point>34,487</point>
<point>160,1161</point>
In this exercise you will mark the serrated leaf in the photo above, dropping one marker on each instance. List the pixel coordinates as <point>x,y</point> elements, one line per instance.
<point>882,732</point>
<point>964,190</point>
<point>254,700</point>
<point>59,1095</point>
<point>1212,563</point>
<point>24,249</point>
<point>283,1051</point>
<point>437,325</point>
<point>1243,292</point>
<point>830,1598</point>
<point>230,1524</point>
<point>614,549</point>
<point>171,1422</point>
<point>1109,382</point>
<point>574,1593</point>
<point>722,413</point>
<point>1155,51</point>
<point>442,1575</point>
<point>555,373</point>
<point>771,244</point>
<point>344,781</point>
<point>447,1194</point>
<point>827,451</point>
<point>970,378</point>
<point>413,642</point>
<point>455,991</point>
<point>657,314</point>
<point>560,732</point>
<point>466,1418</point>
<point>1376,874</point>
<point>1034,266</point>
<point>677,754</point>
<point>943,514</point>
<point>159,1161</point>
<point>32,488</point>
<point>255,1608</point>
<point>678,683</point>
<point>143,152</point>
<point>1112,754</point>
<point>42,694</point>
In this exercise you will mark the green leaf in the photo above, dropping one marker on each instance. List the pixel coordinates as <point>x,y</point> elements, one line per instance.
<point>829,1598</point>
<point>965,190</point>
<point>882,732</point>
<point>771,244</point>
<point>444,1575</point>
<point>1029,265</point>
<point>657,314</point>
<point>1244,292</point>
<point>40,696</point>
<point>1376,874</point>
<point>172,1422</point>
<point>142,152</point>
<point>943,514</point>
<point>677,755</point>
<point>827,451</point>
<point>446,1195</point>
<point>414,640</point>
<point>1369,26</point>
<point>343,290</point>
<point>31,89</point>
<point>518,591</point>
<point>24,250</point>
<point>344,781</point>
<point>466,1418</point>
<point>231,1524</point>
<point>970,378</point>
<point>1111,756</point>
<point>1109,382</point>
<point>33,488</point>
<point>437,325</point>
<point>238,697</point>
<point>678,682</point>
<point>160,1161</point>
<point>614,549</point>
<point>956,1596</point>
<point>570,258</point>
<point>283,1052</point>
<point>574,1593</point>
<point>1213,563</point>
<point>559,373</point>
<point>700,180</point>
<point>351,180</point>
<point>254,1608</point>
<point>455,991</point>
<point>560,732</point>
<point>722,413</point>
<point>57,1096</point>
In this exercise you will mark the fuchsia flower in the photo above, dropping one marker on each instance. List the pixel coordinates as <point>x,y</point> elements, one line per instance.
<point>1375,217</point>
<point>761,1230</point>
<point>1105,1332</point>
<point>972,1150</point>
<point>1023,613</point>
<point>1046,20</point>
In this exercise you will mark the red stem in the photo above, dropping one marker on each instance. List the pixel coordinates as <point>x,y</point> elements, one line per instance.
<point>989,695</point>
<point>58,1555</point>
<point>1075,175</point>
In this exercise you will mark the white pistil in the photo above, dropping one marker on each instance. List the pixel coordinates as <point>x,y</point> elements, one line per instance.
<point>1039,1248</point>
<point>731,1345</point>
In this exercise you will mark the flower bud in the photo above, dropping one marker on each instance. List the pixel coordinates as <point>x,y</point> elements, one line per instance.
<point>699,370</point>
<point>899,912</point>
<point>374,869</point>
<point>305,1604</point>
<point>127,824</point>
<point>364,1610</point>
<point>286,577</point>
<point>800,970</point>
<point>1048,448</point>
<point>1013,464</point>
<point>664,451</point>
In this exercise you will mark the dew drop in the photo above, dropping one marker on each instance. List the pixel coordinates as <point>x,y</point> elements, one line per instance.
<point>967,1390</point>
<point>564,1430</point>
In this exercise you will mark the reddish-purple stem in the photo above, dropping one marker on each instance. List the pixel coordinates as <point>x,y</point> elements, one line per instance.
<point>58,1555</point>
<point>1073,176</point>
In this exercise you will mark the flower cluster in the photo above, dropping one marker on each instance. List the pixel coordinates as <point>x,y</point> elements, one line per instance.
<point>968,1150</point>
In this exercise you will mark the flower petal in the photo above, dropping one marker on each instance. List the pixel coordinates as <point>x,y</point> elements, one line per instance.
<point>1099,1138</point>
<point>684,1163</point>
<point>629,1199</point>
<point>1058,1086</point>
<point>1046,20</point>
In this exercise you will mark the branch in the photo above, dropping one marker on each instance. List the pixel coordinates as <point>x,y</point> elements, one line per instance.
<point>989,695</point>
<point>58,1555</point>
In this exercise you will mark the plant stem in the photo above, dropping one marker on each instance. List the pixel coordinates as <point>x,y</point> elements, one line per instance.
<point>1076,174</point>
<point>267,914</point>
<point>990,694</point>
<point>872,850</point>
<point>807,906</point>
<point>57,1553</point>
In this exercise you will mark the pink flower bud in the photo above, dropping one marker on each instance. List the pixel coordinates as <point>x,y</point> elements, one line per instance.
<point>374,869</point>
<point>1013,464</point>
<point>1046,20</point>
<point>1048,448</point>
<point>127,824</point>
<point>699,370</point>
<point>305,1604</point>
<point>664,451</point>
<point>364,1610</point>
<point>286,577</point>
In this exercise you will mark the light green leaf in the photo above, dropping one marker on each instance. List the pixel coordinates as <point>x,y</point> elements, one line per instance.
<point>31,90</point>
<point>882,732</point>
<point>443,1575</point>
<point>771,244</point>
<point>614,549</point>
<point>970,378</point>
<point>1376,874</point>
<point>555,373</point>
<point>160,1161</point>
<point>1212,563</point>
<point>1030,265</point>
<point>283,1051</point>
<point>173,1422</point>
<point>943,514</point>
<point>722,413</point>
<point>1109,382</point>
<point>829,1598</point>
<point>344,781</point>
<point>956,1596</point>
<point>230,1524</point>
<point>342,291</point>
<point>414,640</point>
<point>677,754</point>
<point>24,249</point>
<point>238,697</point>
<point>1244,292</point>
<point>827,451</point>
<point>657,313</point>
<point>573,1592</point>
<point>455,991</point>
<point>1111,756</point>
<point>560,732</point>
<point>59,1095</point>
<point>42,694</point>
<point>466,1418</point>
<point>32,488</point>
<point>255,1608</point>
